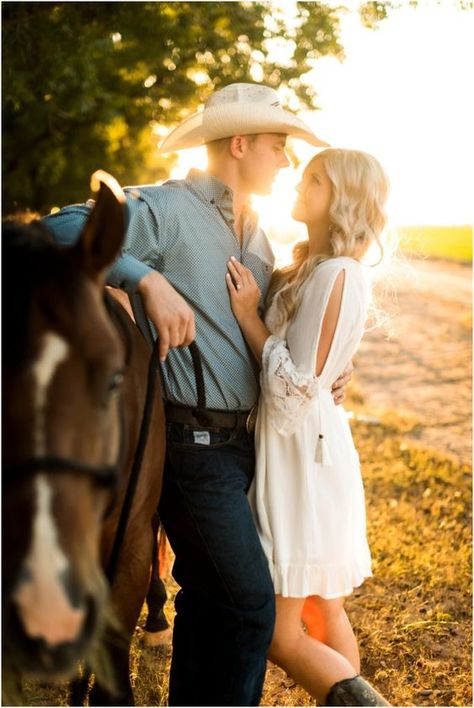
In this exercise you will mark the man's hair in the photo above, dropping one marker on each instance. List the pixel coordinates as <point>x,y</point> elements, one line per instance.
<point>217,147</point>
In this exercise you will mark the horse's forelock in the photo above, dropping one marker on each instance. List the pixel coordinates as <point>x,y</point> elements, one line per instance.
<point>33,266</point>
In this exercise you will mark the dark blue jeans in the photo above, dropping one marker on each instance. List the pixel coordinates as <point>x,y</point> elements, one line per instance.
<point>225,609</point>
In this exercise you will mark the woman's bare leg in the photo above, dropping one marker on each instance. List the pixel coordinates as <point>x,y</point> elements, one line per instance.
<point>313,665</point>
<point>327,621</point>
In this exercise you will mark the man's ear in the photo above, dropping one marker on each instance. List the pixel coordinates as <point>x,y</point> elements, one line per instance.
<point>238,146</point>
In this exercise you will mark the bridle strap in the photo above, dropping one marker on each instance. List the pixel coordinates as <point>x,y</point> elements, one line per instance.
<point>106,474</point>
<point>200,413</point>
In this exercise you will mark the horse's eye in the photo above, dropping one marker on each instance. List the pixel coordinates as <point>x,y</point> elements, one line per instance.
<point>116,381</point>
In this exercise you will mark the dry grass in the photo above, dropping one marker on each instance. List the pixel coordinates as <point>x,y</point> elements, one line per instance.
<point>413,618</point>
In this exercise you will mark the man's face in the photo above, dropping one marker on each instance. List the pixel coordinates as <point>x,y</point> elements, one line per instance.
<point>264,156</point>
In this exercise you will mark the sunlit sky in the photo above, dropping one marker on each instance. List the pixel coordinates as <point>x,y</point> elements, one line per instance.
<point>403,93</point>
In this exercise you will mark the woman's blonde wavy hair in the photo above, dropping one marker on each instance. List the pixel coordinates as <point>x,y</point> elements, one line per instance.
<point>357,220</point>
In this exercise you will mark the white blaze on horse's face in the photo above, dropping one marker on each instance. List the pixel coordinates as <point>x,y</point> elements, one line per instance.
<point>41,598</point>
<point>53,351</point>
<point>43,605</point>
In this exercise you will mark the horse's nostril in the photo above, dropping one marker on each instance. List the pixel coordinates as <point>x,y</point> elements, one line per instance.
<point>41,658</point>
<point>46,612</point>
<point>73,590</point>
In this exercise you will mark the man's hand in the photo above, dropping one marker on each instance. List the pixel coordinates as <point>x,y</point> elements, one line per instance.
<point>169,312</point>
<point>338,389</point>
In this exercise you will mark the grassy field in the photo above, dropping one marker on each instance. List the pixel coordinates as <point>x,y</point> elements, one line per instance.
<point>451,242</point>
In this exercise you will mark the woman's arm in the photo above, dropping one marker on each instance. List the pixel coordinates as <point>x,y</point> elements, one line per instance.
<point>245,297</point>
<point>328,327</point>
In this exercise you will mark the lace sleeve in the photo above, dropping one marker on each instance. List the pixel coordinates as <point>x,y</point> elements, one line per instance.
<point>287,392</point>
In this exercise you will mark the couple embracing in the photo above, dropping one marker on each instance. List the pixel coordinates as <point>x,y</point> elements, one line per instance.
<point>267,532</point>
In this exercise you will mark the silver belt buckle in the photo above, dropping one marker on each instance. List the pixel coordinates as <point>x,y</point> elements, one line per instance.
<point>251,419</point>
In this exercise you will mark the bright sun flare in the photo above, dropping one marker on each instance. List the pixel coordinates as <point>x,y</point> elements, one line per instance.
<point>274,211</point>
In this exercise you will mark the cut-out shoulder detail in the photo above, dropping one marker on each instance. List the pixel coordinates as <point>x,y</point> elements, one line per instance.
<point>330,320</point>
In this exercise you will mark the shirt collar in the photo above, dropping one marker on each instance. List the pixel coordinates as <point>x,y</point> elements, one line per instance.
<point>209,187</point>
<point>217,193</point>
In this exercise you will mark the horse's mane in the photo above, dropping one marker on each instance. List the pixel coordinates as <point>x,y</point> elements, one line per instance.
<point>19,233</point>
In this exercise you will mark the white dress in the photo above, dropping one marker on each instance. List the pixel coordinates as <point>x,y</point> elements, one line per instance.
<point>307,496</point>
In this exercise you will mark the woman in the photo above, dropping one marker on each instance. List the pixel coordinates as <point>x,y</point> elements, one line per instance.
<point>307,496</point>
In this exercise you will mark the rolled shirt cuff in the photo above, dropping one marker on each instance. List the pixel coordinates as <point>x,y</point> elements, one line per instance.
<point>127,272</point>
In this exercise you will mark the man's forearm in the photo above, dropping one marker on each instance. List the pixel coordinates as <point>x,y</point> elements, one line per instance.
<point>171,315</point>
<point>66,227</point>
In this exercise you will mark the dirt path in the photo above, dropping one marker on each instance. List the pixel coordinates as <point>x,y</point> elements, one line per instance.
<point>423,368</point>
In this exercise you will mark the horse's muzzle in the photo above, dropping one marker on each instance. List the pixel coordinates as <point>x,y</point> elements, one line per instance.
<point>35,657</point>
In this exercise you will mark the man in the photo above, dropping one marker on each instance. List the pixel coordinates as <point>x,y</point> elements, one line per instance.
<point>179,238</point>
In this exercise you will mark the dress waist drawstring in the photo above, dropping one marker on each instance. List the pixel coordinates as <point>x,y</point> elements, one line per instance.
<point>322,455</point>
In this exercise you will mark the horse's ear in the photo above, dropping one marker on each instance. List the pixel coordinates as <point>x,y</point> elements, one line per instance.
<point>104,232</point>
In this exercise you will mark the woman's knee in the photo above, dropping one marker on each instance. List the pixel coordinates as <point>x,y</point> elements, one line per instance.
<point>329,609</point>
<point>320,615</point>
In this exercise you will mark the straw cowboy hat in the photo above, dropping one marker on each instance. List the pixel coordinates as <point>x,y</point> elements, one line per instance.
<point>238,109</point>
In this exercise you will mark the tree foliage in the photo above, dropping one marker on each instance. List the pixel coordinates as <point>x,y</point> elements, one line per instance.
<point>373,12</point>
<point>90,85</point>
<point>85,83</point>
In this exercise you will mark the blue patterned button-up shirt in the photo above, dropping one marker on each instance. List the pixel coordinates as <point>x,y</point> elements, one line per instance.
<point>184,229</point>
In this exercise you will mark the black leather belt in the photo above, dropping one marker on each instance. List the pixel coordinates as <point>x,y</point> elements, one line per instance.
<point>214,419</point>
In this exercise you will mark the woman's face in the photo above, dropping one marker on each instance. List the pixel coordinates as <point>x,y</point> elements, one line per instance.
<point>314,195</point>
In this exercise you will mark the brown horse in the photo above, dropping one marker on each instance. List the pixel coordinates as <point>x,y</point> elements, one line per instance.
<point>74,383</point>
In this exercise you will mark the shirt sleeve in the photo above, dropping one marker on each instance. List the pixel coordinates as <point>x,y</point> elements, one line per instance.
<point>140,254</point>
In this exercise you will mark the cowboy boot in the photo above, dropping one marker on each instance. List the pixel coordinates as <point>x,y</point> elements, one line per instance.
<point>354,692</point>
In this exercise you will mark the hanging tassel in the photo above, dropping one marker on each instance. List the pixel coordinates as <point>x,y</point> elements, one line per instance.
<point>322,455</point>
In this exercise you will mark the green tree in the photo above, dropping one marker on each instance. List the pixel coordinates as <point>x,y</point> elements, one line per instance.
<point>84,84</point>
<point>374,11</point>
<point>91,84</point>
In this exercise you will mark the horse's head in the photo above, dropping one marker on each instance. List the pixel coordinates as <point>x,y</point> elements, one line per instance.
<point>62,367</point>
